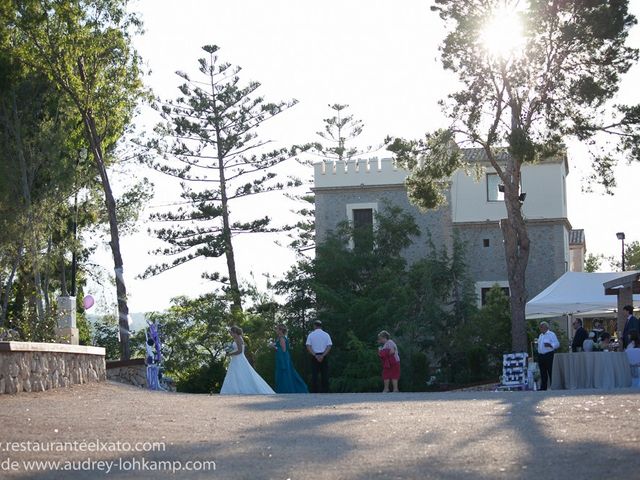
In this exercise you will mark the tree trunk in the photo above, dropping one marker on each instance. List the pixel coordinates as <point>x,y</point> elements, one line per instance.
<point>234,287</point>
<point>95,142</point>
<point>74,253</point>
<point>110,203</point>
<point>516,245</point>
<point>46,282</point>
<point>26,193</point>
<point>516,265</point>
<point>63,277</point>
<point>9,286</point>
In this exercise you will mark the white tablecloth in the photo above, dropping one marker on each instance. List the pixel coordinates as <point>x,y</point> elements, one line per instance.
<point>606,370</point>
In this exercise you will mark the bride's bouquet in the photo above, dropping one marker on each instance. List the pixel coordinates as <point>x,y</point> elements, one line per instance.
<point>229,348</point>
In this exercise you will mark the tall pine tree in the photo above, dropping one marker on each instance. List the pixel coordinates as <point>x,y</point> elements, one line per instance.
<point>209,141</point>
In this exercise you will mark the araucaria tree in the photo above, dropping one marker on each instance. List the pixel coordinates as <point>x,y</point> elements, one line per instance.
<point>209,141</point>
<point>533,74</point>
<point>338,133</point>
<point>337,145</point>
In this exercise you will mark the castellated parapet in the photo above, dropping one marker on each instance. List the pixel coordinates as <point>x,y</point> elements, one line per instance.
<point>358,172</point>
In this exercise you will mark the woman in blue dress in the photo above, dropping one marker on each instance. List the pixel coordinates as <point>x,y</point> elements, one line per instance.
<point>287,379</point>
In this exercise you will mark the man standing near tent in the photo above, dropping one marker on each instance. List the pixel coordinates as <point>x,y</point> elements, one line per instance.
<point>579,336</point>
<point>631,324</point>
<point>547,344</point>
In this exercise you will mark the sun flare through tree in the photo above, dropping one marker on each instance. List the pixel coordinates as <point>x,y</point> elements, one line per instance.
<point>501,34</point>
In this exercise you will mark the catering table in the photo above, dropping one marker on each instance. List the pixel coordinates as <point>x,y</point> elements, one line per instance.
<point>579,370</point>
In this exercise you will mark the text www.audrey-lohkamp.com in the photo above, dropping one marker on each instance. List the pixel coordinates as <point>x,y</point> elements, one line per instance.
<point>107,466</point>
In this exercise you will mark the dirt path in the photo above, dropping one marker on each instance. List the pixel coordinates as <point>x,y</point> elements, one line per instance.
<point>454,435</point>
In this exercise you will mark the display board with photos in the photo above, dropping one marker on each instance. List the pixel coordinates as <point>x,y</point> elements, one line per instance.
<point>514,370</point>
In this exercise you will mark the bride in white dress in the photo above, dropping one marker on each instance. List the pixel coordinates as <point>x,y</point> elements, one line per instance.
<point>241,378</point>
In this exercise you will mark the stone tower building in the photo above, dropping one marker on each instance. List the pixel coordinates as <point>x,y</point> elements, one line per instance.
<point>355,190</point>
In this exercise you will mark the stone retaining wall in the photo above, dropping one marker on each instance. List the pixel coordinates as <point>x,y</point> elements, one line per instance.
<point>134,372</point>
<point>35,367</point>
<point>131,372</point>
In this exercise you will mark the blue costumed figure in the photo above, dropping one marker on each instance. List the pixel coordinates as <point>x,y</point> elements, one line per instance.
<point>153,356</point>
<point>287,379</point>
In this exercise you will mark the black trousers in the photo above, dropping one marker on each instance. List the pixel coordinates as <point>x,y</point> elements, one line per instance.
<point>545,362</point>
<point>319,369</point>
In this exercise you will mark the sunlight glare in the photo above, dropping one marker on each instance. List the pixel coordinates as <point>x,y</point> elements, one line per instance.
<point>502,34</point>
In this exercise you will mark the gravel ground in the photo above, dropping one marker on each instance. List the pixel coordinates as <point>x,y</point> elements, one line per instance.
<point>478,435</point>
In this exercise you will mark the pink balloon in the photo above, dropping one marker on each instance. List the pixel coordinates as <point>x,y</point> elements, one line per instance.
<point>88,302</point>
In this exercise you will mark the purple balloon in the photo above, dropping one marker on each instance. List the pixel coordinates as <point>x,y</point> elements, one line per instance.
<point>88,302</point>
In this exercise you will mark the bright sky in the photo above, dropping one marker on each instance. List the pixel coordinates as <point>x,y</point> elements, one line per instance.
<point>379,57</point>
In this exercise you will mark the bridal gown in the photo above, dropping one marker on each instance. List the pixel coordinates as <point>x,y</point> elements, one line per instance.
<point>242,379</point>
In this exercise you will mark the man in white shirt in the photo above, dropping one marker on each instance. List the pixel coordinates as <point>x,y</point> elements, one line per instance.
<point>547,344</point>
<point>318,345</point>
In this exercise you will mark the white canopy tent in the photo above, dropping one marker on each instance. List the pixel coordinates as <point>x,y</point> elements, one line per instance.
<point>576,293</point>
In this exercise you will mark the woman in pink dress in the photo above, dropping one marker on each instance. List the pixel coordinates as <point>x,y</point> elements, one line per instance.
<point>388,353</point>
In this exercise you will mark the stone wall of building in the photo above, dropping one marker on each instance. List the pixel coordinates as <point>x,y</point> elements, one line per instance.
<point>468,216</point>
<point>35,367</point>
<point>484,252</point>
<point>331,210</point>
<point>549,255</point>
